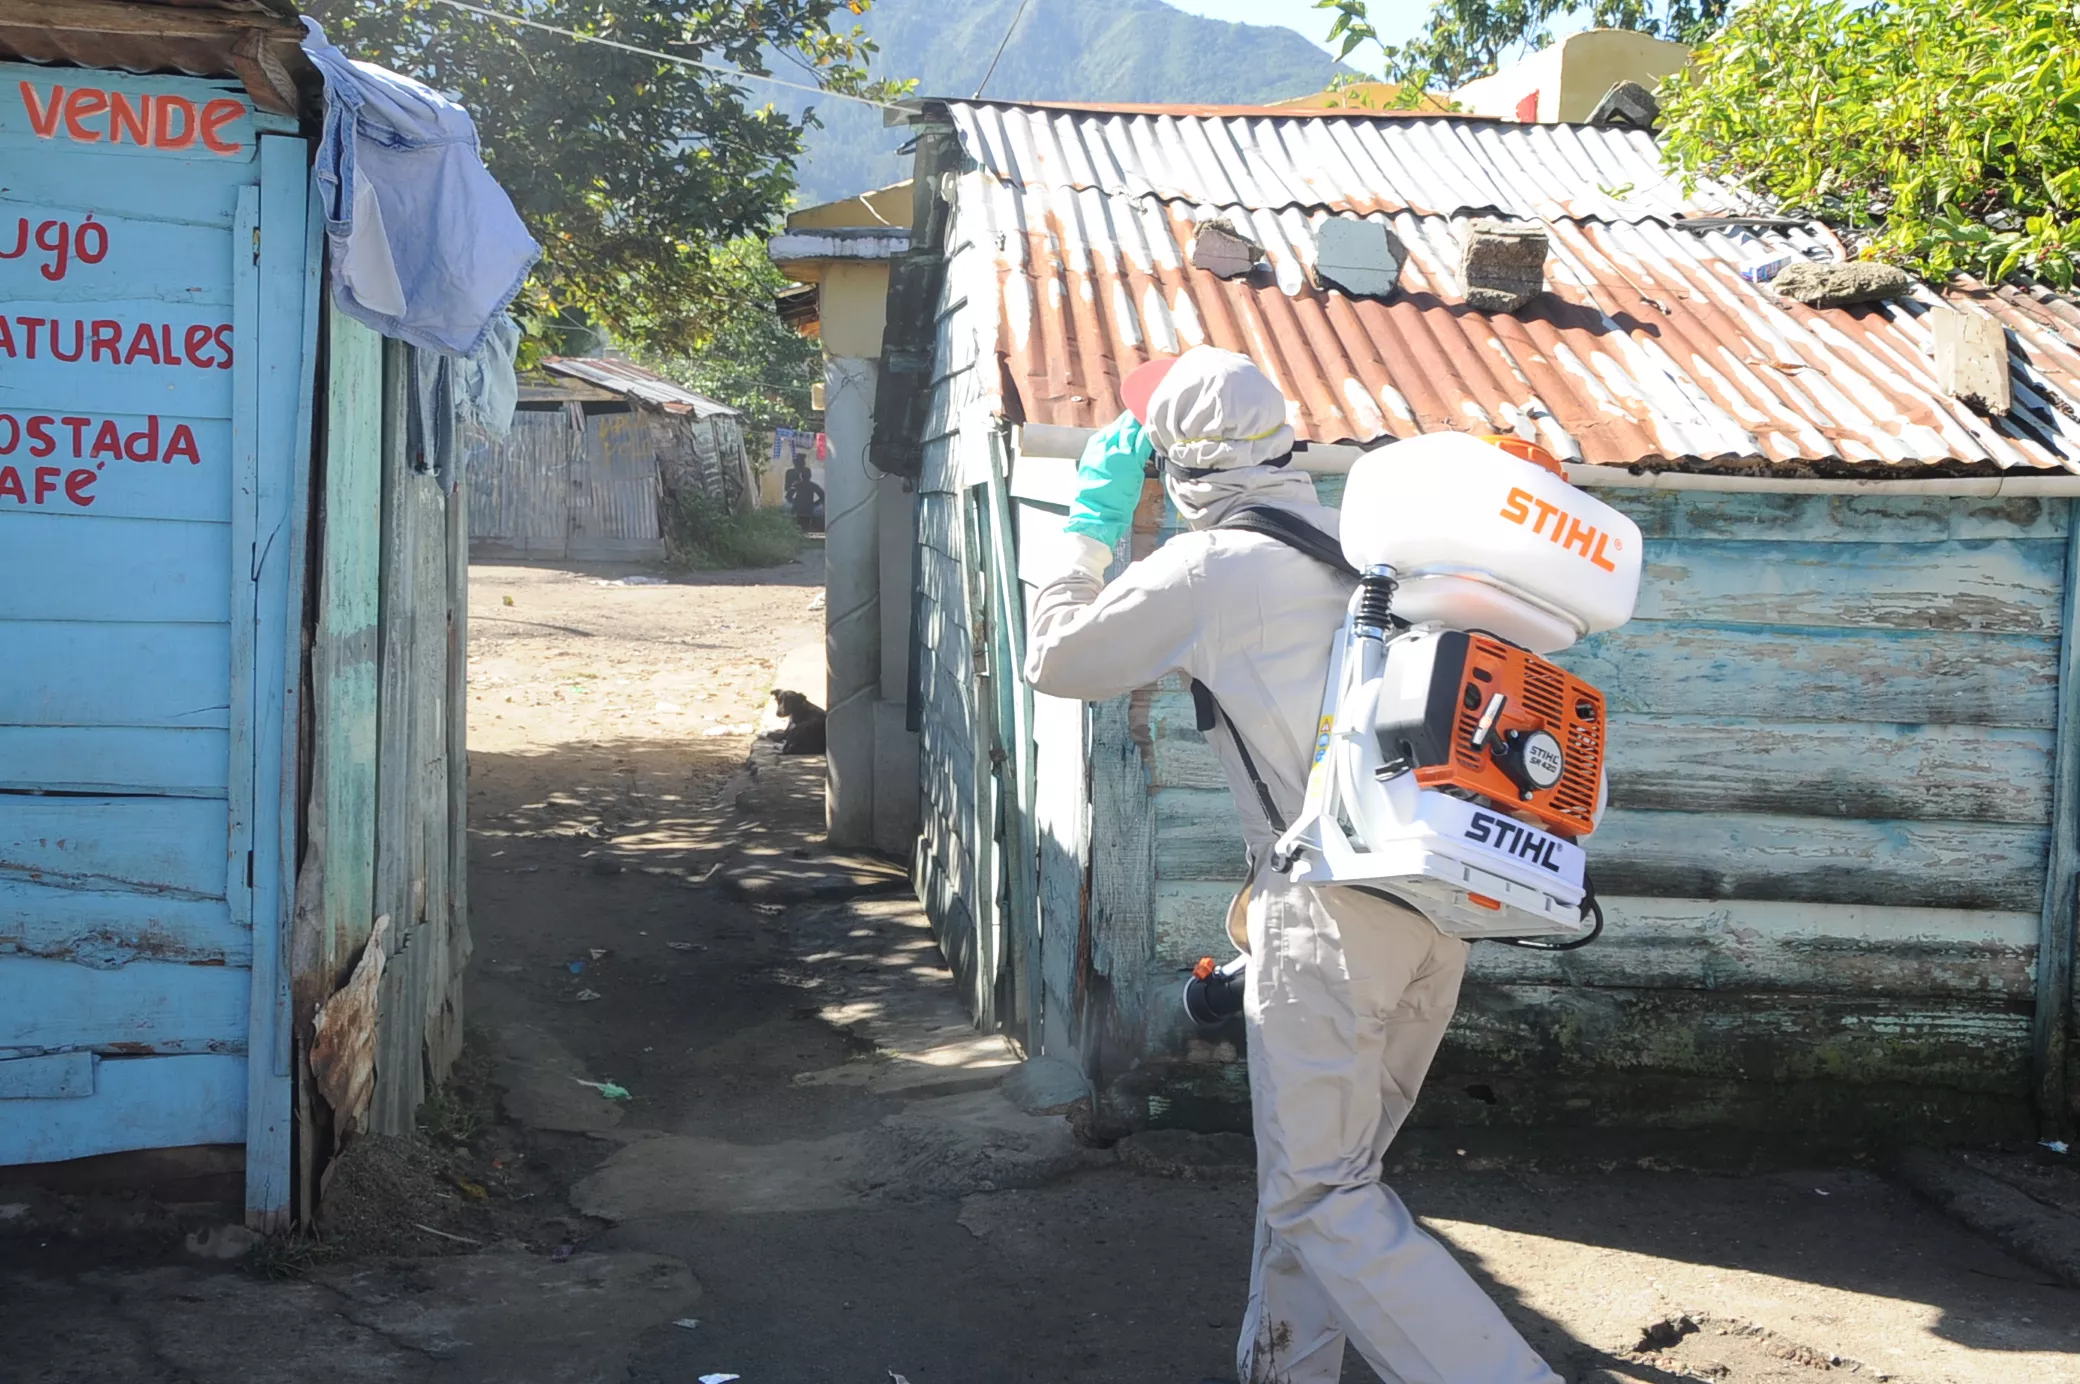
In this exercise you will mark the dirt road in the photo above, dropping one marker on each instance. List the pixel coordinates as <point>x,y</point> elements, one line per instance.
<point>708,1127</point>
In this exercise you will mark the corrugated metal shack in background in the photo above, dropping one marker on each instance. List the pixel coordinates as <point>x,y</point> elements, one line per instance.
<point>595,455</point>
<point>231,730</point>
<point>1839,866</point>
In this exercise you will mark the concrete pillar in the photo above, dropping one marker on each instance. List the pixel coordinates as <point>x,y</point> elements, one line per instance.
<point>852,607</point>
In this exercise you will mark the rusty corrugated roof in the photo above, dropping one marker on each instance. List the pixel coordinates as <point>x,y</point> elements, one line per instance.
<point>1274,158</point>
<point>632,381</point>
<point>1649,347</point>
<point>256,41</point>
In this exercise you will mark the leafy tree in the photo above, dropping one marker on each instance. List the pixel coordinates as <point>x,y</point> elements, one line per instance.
<point>1465,39</point>
<point>1941,134</point>
<point>629,170</point>
<point>752,360</point>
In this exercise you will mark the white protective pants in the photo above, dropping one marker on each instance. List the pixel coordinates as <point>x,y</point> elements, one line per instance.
<point>1348,998</point>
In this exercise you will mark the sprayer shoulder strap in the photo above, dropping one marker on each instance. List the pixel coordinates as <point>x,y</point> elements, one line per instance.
<point>1293,531</point>
<point>1296,533</point>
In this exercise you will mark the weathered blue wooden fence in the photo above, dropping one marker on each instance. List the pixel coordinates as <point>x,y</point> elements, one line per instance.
<point>158,263</point>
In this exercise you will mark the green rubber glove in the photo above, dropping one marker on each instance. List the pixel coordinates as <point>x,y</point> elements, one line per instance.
<point>1109,476</point>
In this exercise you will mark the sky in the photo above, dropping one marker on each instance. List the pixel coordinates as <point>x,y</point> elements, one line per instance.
<point>1396,20</point>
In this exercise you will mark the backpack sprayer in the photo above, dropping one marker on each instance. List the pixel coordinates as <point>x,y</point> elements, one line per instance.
<point>1455,768</point>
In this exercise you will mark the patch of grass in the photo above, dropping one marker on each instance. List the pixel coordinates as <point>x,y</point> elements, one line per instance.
<point>700,534</point>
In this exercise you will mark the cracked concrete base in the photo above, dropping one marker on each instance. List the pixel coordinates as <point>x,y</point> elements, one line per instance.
<point>930,1150</point>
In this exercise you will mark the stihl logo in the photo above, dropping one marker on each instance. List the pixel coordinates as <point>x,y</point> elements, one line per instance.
<point>1511,839</point>
<point>1559,527</point>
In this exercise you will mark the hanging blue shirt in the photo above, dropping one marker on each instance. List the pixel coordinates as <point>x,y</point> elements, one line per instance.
<point>426,246</point>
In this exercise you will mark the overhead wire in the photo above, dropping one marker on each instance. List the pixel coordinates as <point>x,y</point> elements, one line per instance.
<point>683,61</point>
<point>1011,29</point>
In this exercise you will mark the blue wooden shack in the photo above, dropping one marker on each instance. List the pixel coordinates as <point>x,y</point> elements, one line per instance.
<point>230,723</point>
<point>1840,863</point>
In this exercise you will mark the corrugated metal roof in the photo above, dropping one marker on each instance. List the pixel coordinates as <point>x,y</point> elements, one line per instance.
<point>1272,159</point>
<point>632,381</point>
<point>1649,348</point>
<point>256,41</point>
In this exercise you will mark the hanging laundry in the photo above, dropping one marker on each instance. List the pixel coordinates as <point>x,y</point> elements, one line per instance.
<point>426,246</point>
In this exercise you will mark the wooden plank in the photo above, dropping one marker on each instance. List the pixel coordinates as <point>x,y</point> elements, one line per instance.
<point>287,284</point>
<point>155,844</point>
<point>235,885</point>
<point>2052,1013</point>
<point>441,1042</point>
<point>62,673</point>
<point>61,1076</point>
<point>138,1103</point>
<point>1699,514</point>
<point>1564,1032</point>
<point>103,929</point>
<point>56,567</point>
<point>1940,677</point>
<point>147,1006</point>
<point>1737,764</point>
<point>1128,843</point>
<point>113,759</point>
<point>1015,723</point>
<point>1711,944</point>
<point>47,384</point>
<point>1810,769</point>
<point>167,485</point>
<point>456,770</point>
<point>1060,819</point>
<point>1809,948</point>
<point>1996,587</point>
<point>132,257</point>
<point>192,192</point>
<point>401,1010</point>
<point>1819,860</point>
<point>343,654</point>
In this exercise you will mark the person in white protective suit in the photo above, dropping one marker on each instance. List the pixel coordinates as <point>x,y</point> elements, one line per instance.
<point>1348,994</point>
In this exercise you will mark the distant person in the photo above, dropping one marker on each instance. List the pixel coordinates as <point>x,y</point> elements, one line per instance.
<point>804,496</point>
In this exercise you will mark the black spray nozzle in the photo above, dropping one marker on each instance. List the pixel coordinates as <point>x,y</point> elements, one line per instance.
<point>1213,995</point>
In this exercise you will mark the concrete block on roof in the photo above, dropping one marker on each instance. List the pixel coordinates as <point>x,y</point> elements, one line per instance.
<point>1363,258</point>
<point>1628,104</point>
<point>1223,248</point>
<point>1972,359</point>
<point>1503,263</point>
<point>1841,285</point>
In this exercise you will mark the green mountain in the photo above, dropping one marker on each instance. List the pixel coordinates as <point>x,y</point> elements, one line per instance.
<point>1062,50</point>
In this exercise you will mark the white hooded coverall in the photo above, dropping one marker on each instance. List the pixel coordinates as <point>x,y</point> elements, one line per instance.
<point>1348,994</point>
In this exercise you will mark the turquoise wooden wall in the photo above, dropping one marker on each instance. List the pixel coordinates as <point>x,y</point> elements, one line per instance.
<point>1834,721</point>
<point>157,263</point>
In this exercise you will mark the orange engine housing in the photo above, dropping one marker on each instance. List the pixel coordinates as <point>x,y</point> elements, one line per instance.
<point>1507,764</point>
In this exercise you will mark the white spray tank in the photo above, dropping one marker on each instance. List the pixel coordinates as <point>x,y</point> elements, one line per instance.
<point>1456,768</point>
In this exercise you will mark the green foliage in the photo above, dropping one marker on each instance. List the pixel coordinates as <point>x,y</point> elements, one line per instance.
<point>1465,39</point>
<point>627,169</point>
<point>1943,135</point>
<point>752,360</point>
<point>1063,50</point>
<point>700,534</point>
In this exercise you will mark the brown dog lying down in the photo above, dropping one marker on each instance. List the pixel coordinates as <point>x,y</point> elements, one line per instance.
<point>803,733</point>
